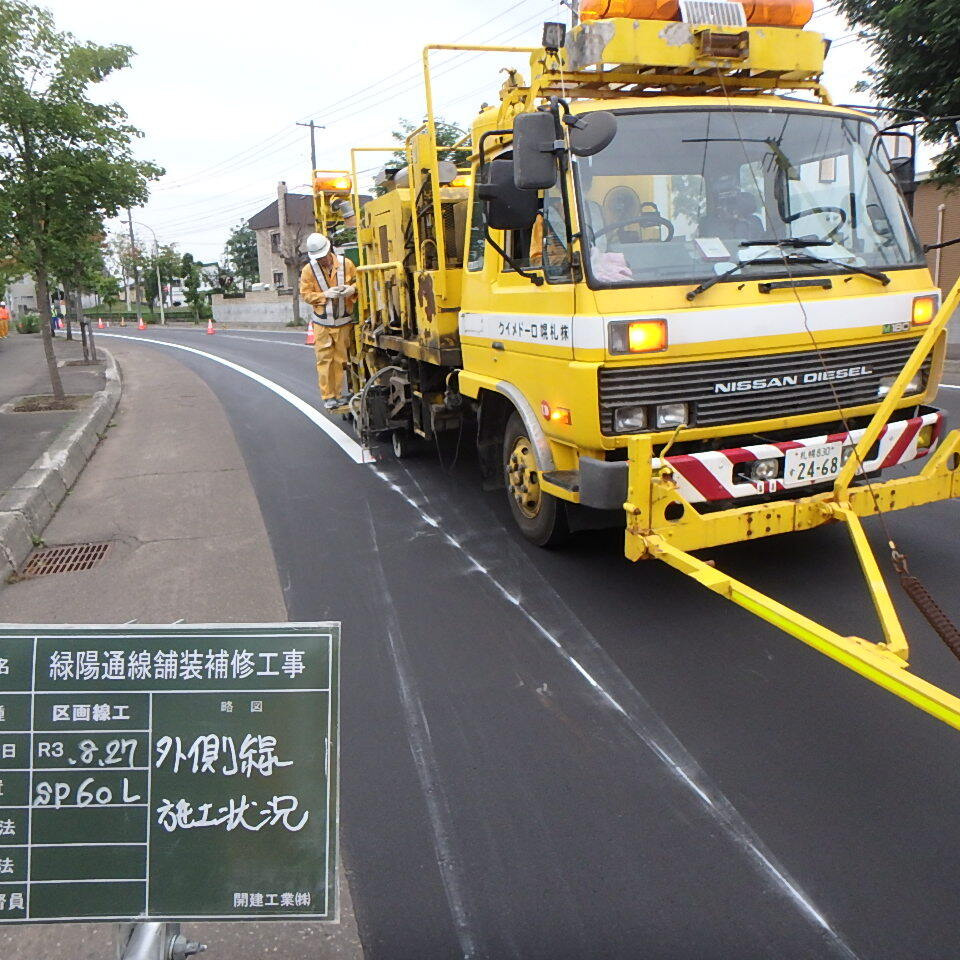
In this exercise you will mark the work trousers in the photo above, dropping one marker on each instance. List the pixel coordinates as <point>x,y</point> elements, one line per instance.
<point>332,348</point>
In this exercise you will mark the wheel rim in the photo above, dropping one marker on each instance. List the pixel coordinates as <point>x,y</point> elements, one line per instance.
<point>397,444</point>
<point>523,479</point>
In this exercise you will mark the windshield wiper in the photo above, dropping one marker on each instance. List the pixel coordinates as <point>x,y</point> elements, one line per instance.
<point>796,243</point>
<point>877,275</point>
<point>800,243</point>
<point>788,258</point>
<point>720,277</point>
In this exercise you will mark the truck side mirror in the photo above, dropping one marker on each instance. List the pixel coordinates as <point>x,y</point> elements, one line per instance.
<point>534,151</point>
<point>591,132</point>
<point>904,172</point>
<point>508,207</point>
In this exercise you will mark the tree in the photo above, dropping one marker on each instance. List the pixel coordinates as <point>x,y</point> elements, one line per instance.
<point>65,160</point>
<point>192,278</point>
<point>168,260</point>
<point>293,259</point>
<point>916,43</point>
<point>448,134</point>
<point>241,252</point>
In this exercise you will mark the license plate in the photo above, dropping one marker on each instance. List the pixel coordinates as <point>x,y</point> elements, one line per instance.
<point>813,464</point>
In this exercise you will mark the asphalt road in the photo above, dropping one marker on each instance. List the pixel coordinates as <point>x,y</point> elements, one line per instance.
<point>563,755</point>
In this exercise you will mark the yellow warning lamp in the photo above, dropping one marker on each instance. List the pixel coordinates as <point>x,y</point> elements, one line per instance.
<point>769,13</point>
<point>924,310</point>
<point>333,184</point>
<point>778,13</point>
<point>629,9</point>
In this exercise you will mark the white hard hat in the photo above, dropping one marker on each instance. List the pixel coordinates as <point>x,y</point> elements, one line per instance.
<point>318,246</point>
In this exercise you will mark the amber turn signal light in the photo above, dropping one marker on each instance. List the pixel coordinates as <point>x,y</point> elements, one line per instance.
<point>334,183</point>
<point>924,310</point>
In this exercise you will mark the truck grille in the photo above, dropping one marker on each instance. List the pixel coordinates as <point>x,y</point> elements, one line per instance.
<point>711,388</point>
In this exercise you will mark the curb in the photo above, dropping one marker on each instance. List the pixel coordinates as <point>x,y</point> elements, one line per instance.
<point>29,505</point>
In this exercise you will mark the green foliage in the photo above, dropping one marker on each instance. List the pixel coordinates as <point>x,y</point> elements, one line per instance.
<point>448,134</point>
<point>28,323</point>
<point>66,160</point>
<point>192,278</point>
<point>168,260</point>
<point>241,252</point>
<point>917,46</point>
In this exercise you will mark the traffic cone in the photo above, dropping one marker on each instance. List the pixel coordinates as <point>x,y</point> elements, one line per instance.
<point>210,330</point>
<point>100,324</point>
<point>311,337</point>
<point>142,324</point>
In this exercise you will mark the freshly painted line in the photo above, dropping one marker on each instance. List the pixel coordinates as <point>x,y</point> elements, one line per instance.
<point>346,443</point>
<point>643,720</point>
<point>948,386</point>
<point>424,758</point>
<point>279,343</point>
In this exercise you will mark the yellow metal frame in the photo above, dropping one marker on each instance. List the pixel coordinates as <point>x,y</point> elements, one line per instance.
<point>650,534</point>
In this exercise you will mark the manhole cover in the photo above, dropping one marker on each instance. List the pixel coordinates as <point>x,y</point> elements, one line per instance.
<point>68,558</point>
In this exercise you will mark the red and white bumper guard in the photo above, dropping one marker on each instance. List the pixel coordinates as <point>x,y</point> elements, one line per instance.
<point>704,477</point>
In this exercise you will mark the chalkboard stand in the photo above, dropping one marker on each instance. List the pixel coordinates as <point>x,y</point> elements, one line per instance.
<point>154,941</point>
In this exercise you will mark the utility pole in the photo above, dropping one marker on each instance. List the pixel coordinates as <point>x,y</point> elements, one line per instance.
<point>284,231</point>
<point>136,269</point>
<point>314,127</point>
<point>156,253</point>
<point>574,6</point>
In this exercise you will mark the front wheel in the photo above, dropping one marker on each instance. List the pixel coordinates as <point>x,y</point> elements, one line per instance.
<point>542,518</point>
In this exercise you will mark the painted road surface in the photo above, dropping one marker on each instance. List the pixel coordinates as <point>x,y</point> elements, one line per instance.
<point>559,754</point>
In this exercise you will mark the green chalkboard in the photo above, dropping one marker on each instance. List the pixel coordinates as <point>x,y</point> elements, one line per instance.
<point>169,773</point>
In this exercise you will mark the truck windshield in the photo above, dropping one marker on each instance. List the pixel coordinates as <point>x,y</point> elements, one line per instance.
<point>683,195</point>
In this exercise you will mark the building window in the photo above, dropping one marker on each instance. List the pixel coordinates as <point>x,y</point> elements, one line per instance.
<point>275,242</point>
<point>277,278</point>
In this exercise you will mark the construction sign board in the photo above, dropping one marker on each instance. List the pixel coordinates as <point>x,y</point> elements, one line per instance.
<point>169,773</point>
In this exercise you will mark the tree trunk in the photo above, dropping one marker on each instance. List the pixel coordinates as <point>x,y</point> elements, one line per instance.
<point>43,306</point>
<point>81,322</point>
<point>296,306</point>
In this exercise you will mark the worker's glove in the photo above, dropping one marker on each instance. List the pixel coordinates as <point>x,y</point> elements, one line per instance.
<point>348,291</point>
<point>336,292</point>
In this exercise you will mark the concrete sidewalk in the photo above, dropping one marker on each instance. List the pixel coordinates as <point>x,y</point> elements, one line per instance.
<point>169,490</point>
<point>23,372</point>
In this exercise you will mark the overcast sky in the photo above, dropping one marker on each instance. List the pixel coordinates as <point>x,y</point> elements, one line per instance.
<point>217,89</point>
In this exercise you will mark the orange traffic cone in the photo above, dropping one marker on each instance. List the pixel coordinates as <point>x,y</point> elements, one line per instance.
<point>100,324</point>
<point>210,330</point>
<point>311,337</point>
<point>142,324</point>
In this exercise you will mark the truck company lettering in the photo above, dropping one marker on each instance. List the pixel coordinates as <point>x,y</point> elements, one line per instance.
<point>791,380</point>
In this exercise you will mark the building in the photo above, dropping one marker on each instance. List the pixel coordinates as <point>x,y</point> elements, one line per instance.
<point>936,214</point>
<point>21,296</point>
<point>266,226</point>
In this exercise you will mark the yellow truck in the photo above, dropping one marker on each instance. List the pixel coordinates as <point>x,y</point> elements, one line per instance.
<point>670,282</point>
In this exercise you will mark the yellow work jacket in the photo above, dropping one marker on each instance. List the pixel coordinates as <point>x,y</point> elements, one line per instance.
<point>312,292</point>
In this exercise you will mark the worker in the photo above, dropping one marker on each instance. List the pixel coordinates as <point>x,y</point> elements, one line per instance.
<point>4,319</point>
<point>329,284</point>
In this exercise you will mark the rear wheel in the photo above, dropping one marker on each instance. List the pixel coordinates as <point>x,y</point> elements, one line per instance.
<point>403,444</point>
<point>541,517</point>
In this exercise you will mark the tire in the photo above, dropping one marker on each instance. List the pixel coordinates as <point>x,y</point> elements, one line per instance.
<point>542,518</point>
<point>403,444</point>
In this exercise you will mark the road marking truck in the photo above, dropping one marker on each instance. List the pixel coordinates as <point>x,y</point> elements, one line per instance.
<point>668,280</point>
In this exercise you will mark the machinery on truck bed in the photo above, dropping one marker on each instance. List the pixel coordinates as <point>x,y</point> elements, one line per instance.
<point>669,279</point>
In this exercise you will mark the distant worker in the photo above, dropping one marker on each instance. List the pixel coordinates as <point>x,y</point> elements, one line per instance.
<point>329,284</point>
<point>4,319</point>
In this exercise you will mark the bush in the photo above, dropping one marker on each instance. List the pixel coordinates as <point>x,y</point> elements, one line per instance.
<point>28,323</point>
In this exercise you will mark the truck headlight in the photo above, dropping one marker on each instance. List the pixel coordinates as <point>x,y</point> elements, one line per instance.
<point>672,415</point>
<point>637,336</point>
<point>915,386</point>
<point>630,419</point>
<point>765,469</point>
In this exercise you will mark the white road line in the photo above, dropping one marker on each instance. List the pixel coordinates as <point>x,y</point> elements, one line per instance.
<point>346,443</point>
<point>281,343</point>
<point>948,386</point>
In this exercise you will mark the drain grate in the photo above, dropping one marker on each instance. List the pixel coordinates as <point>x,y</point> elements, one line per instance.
<point>68,558</point>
